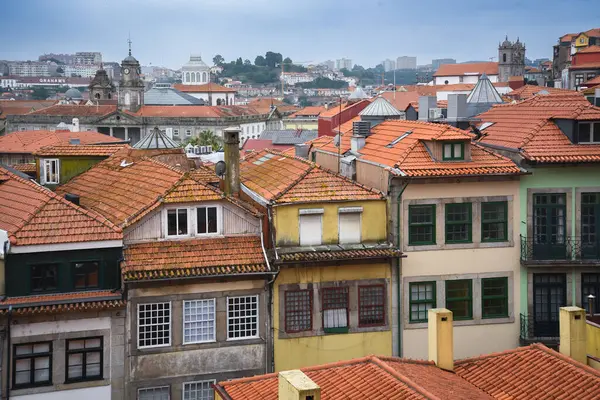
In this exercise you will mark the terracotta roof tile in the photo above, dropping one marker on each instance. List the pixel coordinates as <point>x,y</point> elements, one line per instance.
<point>76,110</point>
<point>31,141</point>
<point>64,302</point>
<point>335,109</point>
<point>374,378</point>
<point>590,49</point>
<point>29,167</point>
<point>230,255</point>
<point>489,68</point>
<point>530,373</point>
<point>529,127</point>
<point>22,107</point>
<point>335,255</point>
<point>587,65</point>
<point>207,87</point>
<point>345,130</point>
<point>308,111</point>
<point>34,215</point>
<point>528,91</point>
<point>80,150</point>
<point>205,174</point>
<point>279,178</point>
<point>593,81</point>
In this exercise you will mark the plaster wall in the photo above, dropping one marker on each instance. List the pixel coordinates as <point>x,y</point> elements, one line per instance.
<point>95,393</point>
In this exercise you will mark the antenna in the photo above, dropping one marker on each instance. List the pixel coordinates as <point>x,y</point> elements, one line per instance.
<point>129,41</point>
<point>220,168</point>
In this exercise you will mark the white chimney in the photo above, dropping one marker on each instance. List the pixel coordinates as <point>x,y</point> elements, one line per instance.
<point>75,125</point>
<point>295,385</point>
<point>441,340</point>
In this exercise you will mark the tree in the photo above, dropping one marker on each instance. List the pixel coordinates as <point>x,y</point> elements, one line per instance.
<point>260,61</point>
<point>273,59</point>
<point>287,61</point>
<point>239,61</point>
<point>206,138</point>
<point>218,59</point>
<point>40,93</point>
<point>247,62</point>
<point>304,102</point>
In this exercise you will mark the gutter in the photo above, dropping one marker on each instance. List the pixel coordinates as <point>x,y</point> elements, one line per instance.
<point>51,303</point>
<point>221,392</point>
<point>399,270</point>
<point>200,276</point>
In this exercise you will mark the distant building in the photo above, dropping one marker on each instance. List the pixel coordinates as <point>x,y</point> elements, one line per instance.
<point>341,63</point>
<point>88,57</point>
<point>330,64</point>
<point>511,59</point>
<point>465,73</point>
<point>388,65</point>
<point>585,65</point>
<point>435,64</point>
<point>31,68</point>
<point>64,58</point>
<point>292,78</point>
<point>568,45</point>
<point>195,72</point>
<point>406,62</point>
<point>83,70</point>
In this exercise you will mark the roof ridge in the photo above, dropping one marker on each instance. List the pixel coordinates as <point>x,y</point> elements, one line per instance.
<point>327,170</point>
<point>565,358</point>
<point>404,379</point>
<point>534,129</point>
<point>492,355</point>
<point>162,164</point>
<point>498,155</point>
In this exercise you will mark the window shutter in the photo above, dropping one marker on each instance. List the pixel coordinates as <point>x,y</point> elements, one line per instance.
<point>310,230</point>
<point>349,228</point>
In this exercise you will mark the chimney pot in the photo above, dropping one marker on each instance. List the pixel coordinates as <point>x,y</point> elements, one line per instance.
<point>573,332</point>
<point>231,140</point>
<point>441,341</point>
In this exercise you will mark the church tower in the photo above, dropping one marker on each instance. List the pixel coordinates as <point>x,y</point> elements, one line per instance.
<point>511,59</point>
<point>131,86</point>
<point>101,87</point>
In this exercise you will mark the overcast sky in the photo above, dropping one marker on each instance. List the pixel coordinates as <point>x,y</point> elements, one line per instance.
<point>165,32</point>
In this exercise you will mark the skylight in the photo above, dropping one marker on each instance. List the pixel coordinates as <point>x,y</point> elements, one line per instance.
<point>485,125</point>
<point>395,141</point>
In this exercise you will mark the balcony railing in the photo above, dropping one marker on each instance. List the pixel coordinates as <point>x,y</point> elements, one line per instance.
<point>567,250</point>
<point>538,331</point>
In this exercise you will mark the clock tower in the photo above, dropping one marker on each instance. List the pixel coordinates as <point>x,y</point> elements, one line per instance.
<point>131,86</point>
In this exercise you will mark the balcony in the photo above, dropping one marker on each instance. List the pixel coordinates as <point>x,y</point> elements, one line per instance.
<point>572,250</point>
<point>538,332</point>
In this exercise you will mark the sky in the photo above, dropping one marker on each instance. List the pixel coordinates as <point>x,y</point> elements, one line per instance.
<point>166,32</point>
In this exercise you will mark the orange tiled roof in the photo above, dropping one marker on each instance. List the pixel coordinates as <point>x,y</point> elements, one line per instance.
<point>345,131</point>
<point>80,150</point>
<point>31,141</point>
<point>590,49</point>
<point>411,156</point>
<point>530,373</point>
<point>568,37</point>
<point>30,167</point>
<point>529,127</point>
<point>76,110</point>
<point>63,302</point>
<point>308,111</point>
<point>593,81</point>
<point>401,100</point>
<point>528,91</point>
<point>340,254</point>
<point>34,215</point>
<point>373,378</point>
<point>230,255</point>
<point>205,174</point>
<point>21,107</point>
<point>489,68</point>
<point>313,144</point>
<point>205,88</point>
<point>335,109</point>
<point>279,178</point>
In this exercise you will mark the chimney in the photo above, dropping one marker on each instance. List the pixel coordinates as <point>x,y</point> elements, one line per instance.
<point>573,333</point>
<point>75,125</point>
<point>457,107</point>
<point>426,103</point>
<point>301,150</point>
<point>360,131</point>
<point>74,141</point>
<point>295,385</point>
<point>231,140</point>
<point>73,198</point>
<point>441,342</point>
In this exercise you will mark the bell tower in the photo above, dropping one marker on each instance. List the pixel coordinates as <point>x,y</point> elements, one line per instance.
<point>131,86</point>
<point>101,87</point>
<point>511,59</point>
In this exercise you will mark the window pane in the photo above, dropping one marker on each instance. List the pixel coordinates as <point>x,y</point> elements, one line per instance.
<point>172,222</point>
<point>242,317</point>
<point>458,222</point>
<point>371,305</point>
<point>75,366</point>
<point>422,298</point>
<point>298,310</point>
<point>25,349</point>
<point>201,219</point>
<point>212,220</point>
<point>458,298</point>
<point>156,393</point>
<point>447,151</point>
<point>335,307</point>
<point>154,325</point>
<point>494,221</point>
<point>585,133</point>
<point>421,224</point>
<point>198,390</point>
<point>182,222</point>
<point>198,321</point>
<point>494,297</point>
<point>458,150</point>
<point>86,275</point>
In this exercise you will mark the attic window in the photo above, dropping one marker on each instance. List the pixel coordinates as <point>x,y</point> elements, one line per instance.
<point>453,151</point>
<point>264,158</point>
<point>485,125</point>
<point>589,132</point>
<point>395,141</point>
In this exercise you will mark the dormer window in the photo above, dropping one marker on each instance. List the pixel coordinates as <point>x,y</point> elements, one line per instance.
<point>453,151</point>
<point>589,132</point>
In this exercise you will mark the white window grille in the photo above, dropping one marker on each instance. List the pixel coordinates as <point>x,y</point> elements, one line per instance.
<point>175,132</point>
<point>154,393</point>
<point>50,171</point>
<point>188,132</point>
<point>200,390</point>
<point>198,321</point>
<point>154,325</point>
<point>242,317</point>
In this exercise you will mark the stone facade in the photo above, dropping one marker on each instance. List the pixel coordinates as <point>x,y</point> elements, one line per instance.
<point>511,59</point>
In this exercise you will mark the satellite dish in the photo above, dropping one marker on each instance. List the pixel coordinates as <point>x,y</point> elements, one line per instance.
<point>220,168</point>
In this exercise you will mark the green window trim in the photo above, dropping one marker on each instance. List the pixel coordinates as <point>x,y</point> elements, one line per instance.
<point>468,298</point>
<point>417,225</point>
<point>412,301</point>
<point>450,207</point>
<point>453,155</point>
<point>490,221</point>
<point>501,298</point>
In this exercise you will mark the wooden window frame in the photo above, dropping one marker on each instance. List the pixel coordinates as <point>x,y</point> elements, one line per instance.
<point>505,221</point>
<point>45,163</point>
<point>32,357</point>
<point>287,311</point>
<point>187,216</point>
<point>212,302</point>
<point>453,156</point>
<point>84,351</point>
<point>87,286</point>
<point>324,308</point>
<point>362,308</point>
<point>432,301</point>
<point>44,290</point>
<point>468,298</point>
<point>468,222</point>
<point>494,297</point>
<point>218,222</point>
<point>432,224</point>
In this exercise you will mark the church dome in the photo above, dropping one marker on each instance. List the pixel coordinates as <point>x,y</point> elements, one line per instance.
<point>73,94</point>
<point>196,64</point>
<point>506,42</point>
<point>130,59</point>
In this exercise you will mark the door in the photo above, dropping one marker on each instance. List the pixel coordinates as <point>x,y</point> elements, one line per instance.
<point>549,294</point>
<point>549,241</point>
<point>590,218</point>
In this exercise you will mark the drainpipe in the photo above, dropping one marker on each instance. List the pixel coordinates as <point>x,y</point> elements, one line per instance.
<point>399,270</point>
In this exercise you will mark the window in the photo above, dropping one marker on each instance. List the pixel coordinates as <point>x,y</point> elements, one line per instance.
<point>494,221</point>
<point>177,222</point>
<point>459,298</point>
<point>422,298</point>
<point>494,297</point>
<point>589,132</point>
<point>421,225</point>
<point>32,364</point>
<point>206,220</point>
<point>579,79</point>
<point>242,317</point>
<point>349,225</point>
<point>84,359</point>
<point>44,277</point>
<point>453,151</point>
<point>154,393</point>
<point>371,305</point>
<point>458,223</point>
<point>188,132</point>
<point>86,275</point>
<point>590,221</point>
<point>198,321</point>
<point>590,284</point>
<point>154,325</point>
<point>175,132</point>
<point>298,310</point>
<point>310,227</point>
<point>504,57</point>
<point>200,390</point>
<point>335,309</point>
<point>50,171</point>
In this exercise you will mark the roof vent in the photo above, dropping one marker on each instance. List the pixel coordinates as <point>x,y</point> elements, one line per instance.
<point>361,128</point>
<point>73,198</point>
<point>74,141</point>
<point>399,138</point>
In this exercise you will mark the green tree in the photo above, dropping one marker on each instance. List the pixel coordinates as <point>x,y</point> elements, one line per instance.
<point>218,59</point>
<point>247,62</point>
<point>304,102</point>
<point>273,59</point>
<point>287,60</point>
<point>260,61</point>
<point>239,61</point>
<point>40,93</point>
<point>206,138</point>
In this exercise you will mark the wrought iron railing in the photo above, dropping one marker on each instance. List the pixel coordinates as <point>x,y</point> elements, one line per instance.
<point>532,331</point>
<point>567,249</point>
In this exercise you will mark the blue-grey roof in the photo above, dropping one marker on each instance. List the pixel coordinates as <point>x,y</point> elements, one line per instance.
<point>170,97</point>
<point>380,107</point>
<point>289,136</point>
<point>484,92</point>
<point>358,93</point>
<point>156,140</point>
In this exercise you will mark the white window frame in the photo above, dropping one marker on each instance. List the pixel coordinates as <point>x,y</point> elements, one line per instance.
<point>155,388</point>
<point>219,219</point>
<point>185,384</point>
<point>311,212</point>
<point>45,163</point>
<point>189,227</point>
<point>229,318</point>
<point>188,132</point>
<point>169,326</point>
<point>175,132</point>
<point>345,211</point>
<point>214,320</point>
<point>593,134</point>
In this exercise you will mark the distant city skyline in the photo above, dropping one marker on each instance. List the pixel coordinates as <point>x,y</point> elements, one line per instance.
<point>165,33</point>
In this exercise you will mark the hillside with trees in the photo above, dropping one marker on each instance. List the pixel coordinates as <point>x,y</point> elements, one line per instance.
<point>264,70</point>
